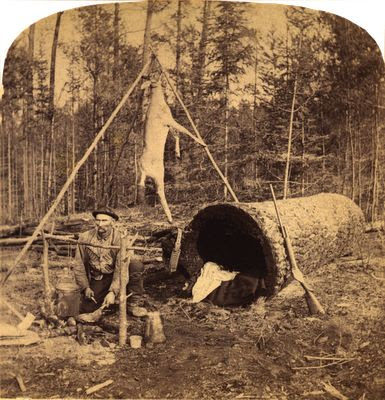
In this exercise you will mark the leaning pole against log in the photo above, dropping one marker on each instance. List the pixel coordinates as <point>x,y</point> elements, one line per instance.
<point>246,236</point>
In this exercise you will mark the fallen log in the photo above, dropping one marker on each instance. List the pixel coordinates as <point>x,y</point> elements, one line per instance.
<point>69,240</point>
<point>378,226</point>
<point>12,230</point>
<point>246,236</point>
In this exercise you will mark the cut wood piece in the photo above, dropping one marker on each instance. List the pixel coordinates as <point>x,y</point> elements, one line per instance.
<point>246,236</point>
<point>333,391</point>
<point>17,337</point>
<point>21,383</point>
<point>95,388</point>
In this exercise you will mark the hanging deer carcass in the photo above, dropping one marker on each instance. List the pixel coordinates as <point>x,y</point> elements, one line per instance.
<point>158,121</point>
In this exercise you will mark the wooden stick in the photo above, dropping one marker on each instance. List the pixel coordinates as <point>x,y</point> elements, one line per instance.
<point>125,257</point>
<point>47,287</point>
<point>333,391</point>
<point>328,358</point>
<point>21,383</point>
<point>200,139</point>
<point>184,312</point>
<point>325,365</point>
<point>73,174</point>
<point>95,388</point>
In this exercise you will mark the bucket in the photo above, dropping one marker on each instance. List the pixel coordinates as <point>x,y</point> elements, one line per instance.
<point>68,300</point>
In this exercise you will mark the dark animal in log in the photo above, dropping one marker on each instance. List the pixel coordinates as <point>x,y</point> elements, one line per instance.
<point>246,236</point>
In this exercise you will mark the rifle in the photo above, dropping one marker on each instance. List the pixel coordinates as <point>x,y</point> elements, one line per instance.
<point>313,304</point>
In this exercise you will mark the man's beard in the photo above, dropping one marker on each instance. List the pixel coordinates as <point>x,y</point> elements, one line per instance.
<point>103,231</point>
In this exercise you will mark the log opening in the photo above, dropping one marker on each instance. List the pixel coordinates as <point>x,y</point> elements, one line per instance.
<point>246,237</point>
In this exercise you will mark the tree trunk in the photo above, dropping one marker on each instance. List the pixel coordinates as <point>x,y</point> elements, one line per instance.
<point>352,152</point>
<point>255,133</point>
<point>292,111</point>
<point>116,43</point>
<point>289,141</point>
<point>147,32</point>
<point>67,196</point>
<point>359,172</point>
<point>29,139</point>
<point>226,101</point>
<point>303,155</point>
<point>73,184</point>
<point>226,150</point>
<point>202,49</point>
<point>111,187</point>
<point>178,43</point>
<point>376,140</point>
<point>95,155</point>
<point>9,161</point>
<point>136,174</point>
<point>51,106</point>
<point>2,168</point>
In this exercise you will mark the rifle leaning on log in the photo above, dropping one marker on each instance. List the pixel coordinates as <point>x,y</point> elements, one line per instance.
<point>313,304</point>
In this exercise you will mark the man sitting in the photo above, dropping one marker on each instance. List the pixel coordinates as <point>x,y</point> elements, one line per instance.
<point>97,269</point>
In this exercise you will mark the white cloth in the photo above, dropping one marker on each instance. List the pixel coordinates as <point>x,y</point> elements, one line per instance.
<point>211,277</point>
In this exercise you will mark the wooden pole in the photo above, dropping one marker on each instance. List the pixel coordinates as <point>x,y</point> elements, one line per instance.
<point>125,257</point>
<point>73,174</point>
<point>47,287</point>
<point>199,138</point>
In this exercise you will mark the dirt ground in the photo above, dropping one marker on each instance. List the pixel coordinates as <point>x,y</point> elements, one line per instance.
<point>270,350</point>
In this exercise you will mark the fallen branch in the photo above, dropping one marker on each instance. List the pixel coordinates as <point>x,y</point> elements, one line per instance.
<point>328,358</point>
<point>184,312</point>
<point>21,383</point>
<point>341,362</point>
<point>95,388</point>
<point>333,391</point>
<point>313,393</point>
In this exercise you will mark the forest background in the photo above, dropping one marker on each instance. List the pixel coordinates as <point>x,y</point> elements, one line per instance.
<point>281,95</point>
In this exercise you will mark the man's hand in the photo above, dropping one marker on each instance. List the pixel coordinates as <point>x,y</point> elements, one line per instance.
<point>109,299</point>
<point>89,293</point>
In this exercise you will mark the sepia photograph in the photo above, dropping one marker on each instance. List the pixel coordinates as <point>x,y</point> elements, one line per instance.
<point>192,204</point>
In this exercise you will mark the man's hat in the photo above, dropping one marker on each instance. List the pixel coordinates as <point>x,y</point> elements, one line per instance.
<point>105,211</point>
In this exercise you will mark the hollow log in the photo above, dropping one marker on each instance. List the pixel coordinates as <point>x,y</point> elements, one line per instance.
<point>246,236</point>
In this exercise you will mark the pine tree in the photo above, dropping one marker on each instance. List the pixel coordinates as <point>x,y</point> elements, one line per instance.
<point>229,56</point>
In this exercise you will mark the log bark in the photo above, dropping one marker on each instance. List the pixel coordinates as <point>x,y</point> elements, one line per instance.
<point>246,236</point>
